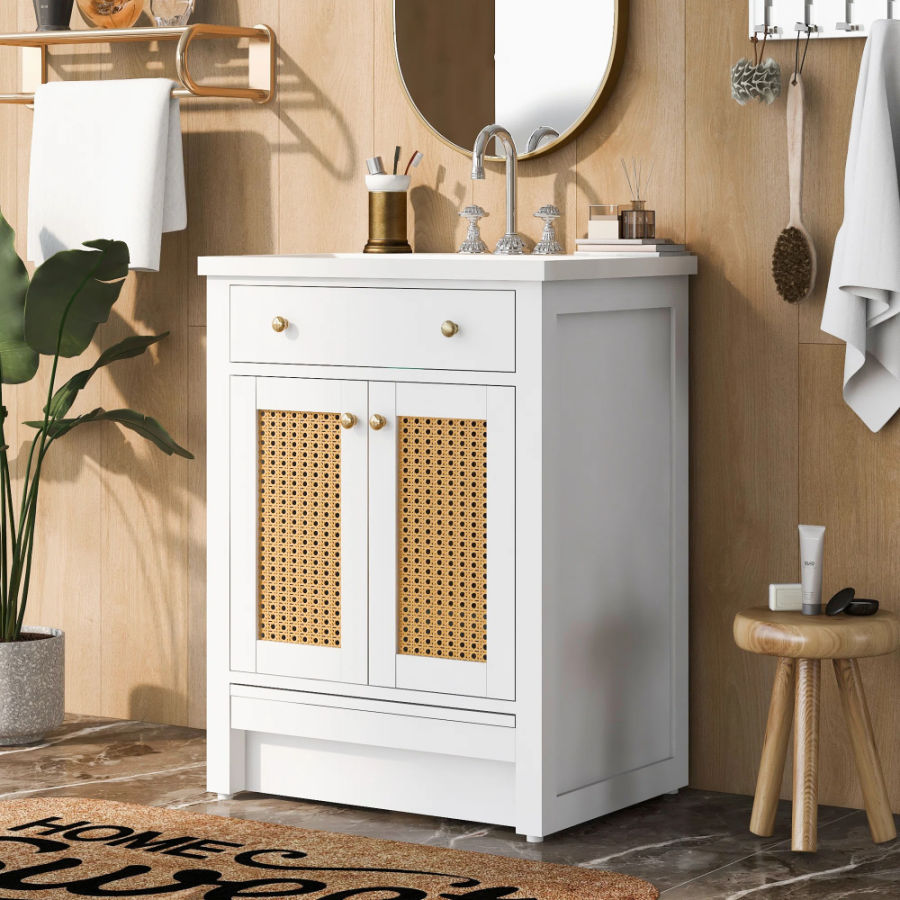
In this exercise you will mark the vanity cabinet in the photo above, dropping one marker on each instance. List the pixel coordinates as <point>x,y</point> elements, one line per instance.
<point>360,554</point>
<point>447,532</point>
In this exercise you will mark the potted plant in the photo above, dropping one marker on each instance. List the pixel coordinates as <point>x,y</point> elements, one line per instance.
<point>55,313</point>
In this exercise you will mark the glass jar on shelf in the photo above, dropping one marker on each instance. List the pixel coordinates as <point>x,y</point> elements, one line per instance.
<point>168,13</point>
<point>637,222</point>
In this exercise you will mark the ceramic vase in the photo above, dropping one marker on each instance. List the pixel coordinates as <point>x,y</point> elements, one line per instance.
<point>53,15</point>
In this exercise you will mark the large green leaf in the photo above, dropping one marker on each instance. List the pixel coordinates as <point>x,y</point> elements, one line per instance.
<point>146,427</point>
<point>18,362</point>
<point>71,294</point>
<point>133,346</point>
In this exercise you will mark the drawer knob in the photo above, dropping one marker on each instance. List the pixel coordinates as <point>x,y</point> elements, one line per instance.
<point>348,420</point>
<point>279,324</point>
<point>377,422</point>
<point>448,329</point>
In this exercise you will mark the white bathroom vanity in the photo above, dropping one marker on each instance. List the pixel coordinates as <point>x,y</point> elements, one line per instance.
<point>448,532</point>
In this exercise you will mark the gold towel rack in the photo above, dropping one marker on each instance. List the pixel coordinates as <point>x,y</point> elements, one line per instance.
<point>261,57</point>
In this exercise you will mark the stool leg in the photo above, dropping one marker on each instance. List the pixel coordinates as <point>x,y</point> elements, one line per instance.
<point>806,756</point>
<point>868,764</point>
<point>771,765</point>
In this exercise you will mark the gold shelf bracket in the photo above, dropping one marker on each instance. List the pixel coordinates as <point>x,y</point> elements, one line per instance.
<point>261,57</point>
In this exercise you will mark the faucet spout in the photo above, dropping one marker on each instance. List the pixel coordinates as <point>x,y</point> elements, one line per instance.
<point>511,244</point>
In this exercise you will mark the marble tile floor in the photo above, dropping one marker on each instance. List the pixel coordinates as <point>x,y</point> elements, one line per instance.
<point>692,845</point>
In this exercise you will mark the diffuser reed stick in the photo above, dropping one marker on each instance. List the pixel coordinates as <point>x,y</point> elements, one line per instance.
<point>635,178</point>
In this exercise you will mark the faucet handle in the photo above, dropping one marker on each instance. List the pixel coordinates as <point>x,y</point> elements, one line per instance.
<point>549,245</point>
<point>473,242</point>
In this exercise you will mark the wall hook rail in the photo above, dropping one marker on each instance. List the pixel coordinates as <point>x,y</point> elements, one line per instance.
<point>261,56</point>
<point>821,18</point>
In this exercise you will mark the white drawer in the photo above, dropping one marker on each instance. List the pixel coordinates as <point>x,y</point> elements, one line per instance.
<point>377,327</point>
<point>374,723</point>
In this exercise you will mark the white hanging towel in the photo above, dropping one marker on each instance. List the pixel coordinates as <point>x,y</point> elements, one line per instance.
<point>863,299</point>
<point>106,162</point>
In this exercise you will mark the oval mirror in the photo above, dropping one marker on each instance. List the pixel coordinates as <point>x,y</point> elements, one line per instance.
<point>541,68</point>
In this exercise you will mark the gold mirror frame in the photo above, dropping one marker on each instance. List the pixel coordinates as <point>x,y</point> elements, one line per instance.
<point>599,100</point>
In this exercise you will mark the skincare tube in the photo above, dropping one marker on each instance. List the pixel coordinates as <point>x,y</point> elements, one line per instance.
<point>812,550</point>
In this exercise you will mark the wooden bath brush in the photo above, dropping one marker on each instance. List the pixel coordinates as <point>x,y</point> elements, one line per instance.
<point>794,259</point>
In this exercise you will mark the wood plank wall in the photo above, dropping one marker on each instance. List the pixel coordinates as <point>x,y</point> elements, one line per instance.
<point>122,530</point>
<point>772,441</point>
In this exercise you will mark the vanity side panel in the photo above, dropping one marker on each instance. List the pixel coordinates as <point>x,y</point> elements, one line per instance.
<point>615,542</point>
<point>533,788</point>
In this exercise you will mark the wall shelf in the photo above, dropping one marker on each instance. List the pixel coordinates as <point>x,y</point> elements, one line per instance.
<point>823,18</point>
<point>261,56</point>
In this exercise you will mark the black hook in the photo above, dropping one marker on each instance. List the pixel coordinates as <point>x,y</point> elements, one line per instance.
<point>799,63</point>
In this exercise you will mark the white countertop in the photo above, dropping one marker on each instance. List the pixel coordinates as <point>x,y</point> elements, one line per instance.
<point>446,266</point>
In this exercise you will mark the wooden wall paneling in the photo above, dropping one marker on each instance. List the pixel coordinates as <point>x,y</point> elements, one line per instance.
<point>232,156</point>
<point>196,535</point>
<point>743,396</point>
<point>325,134</point>
<point>145,508</point>
<point>850,483</point>
<point>66,584</point>
<point>9,120</point>
<point>645,118</point>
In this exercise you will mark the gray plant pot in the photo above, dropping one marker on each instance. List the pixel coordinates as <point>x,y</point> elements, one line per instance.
<point>32,687</point>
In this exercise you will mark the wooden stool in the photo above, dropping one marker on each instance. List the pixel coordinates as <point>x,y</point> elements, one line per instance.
<point>801,643</point>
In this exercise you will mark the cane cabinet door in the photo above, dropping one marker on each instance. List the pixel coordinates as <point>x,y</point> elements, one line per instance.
<point>441,531</point>
<point>298,540</point>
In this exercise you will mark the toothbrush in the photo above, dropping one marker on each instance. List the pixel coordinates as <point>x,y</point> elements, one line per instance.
<point>396,158</point>
<point>414,161</point>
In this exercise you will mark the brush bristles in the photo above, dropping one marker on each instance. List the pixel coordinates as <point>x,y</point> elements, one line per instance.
<point>792,265</point>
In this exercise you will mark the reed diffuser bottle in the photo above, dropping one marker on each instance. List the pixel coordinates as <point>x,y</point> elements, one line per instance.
<point>636,221</point>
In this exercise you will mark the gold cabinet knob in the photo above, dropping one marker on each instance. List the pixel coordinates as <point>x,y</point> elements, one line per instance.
<point>348,420</point>
<point>448,329</point>
<point>279,324</point>
<point>377,422</point>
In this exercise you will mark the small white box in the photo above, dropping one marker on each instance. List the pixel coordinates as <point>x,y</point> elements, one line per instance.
<point>603,222</point>
<point>605,229</point>
<point>786,597</point>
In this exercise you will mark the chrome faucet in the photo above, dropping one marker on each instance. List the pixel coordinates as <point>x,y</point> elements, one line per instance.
<point>510,244</point>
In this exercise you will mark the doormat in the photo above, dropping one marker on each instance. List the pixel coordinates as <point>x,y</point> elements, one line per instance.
<point>57,848</point>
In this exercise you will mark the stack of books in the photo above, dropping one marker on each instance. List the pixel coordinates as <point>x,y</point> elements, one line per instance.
<point>642,246</point>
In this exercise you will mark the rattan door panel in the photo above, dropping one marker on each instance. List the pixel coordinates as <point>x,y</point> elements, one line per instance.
<point>301,587</point>
<point>442,537</point>
<point>442,487</point>
<point>299,527</point>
